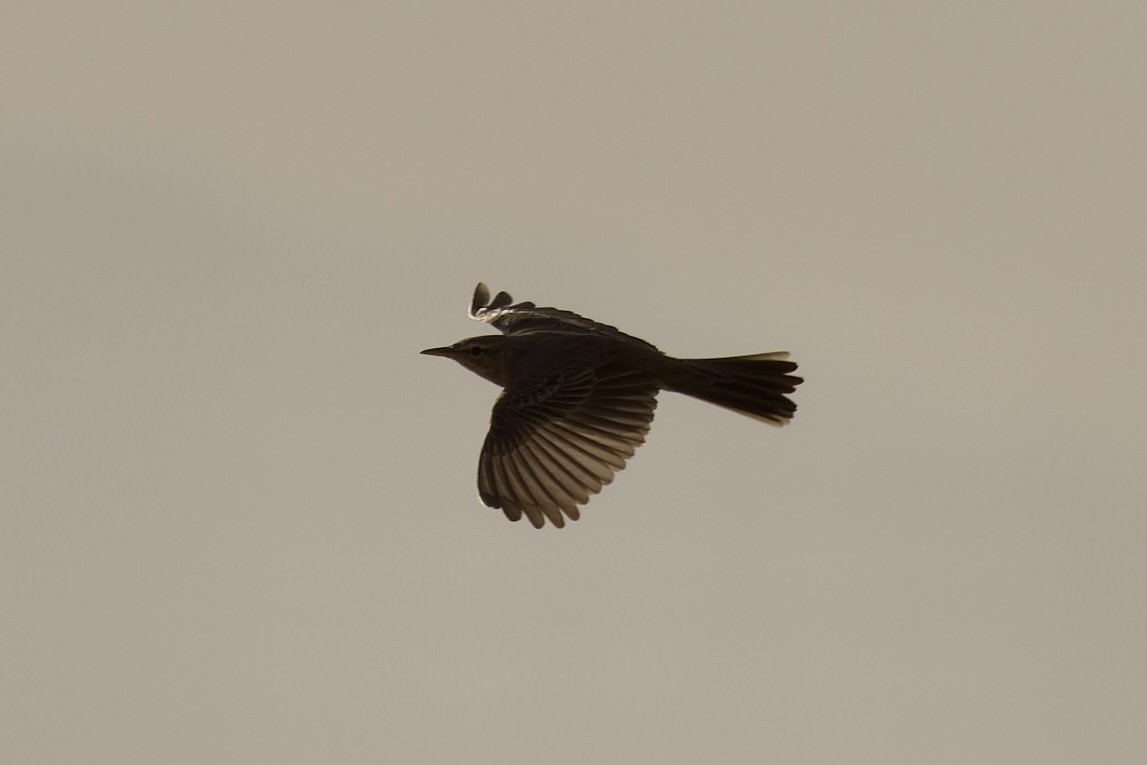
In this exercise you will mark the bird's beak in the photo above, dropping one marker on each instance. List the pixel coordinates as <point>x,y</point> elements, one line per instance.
<point>447,351</point>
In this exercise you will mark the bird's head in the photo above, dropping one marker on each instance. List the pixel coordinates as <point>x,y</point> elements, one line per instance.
<point>486,356</point>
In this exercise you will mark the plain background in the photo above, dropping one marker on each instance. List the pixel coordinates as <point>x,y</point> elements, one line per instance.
<point>239,520</point>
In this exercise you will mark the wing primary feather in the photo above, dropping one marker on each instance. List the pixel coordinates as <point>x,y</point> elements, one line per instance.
<point>523,497</point>
<point>559,477</point>
<point>554,513</point>
<point>545,489</point>
<point>517,489</point>
<point>577,451</point>
<point>528,490</point>
<point>532,513</point>
<point>623,446</point>
<point>616,427</point>
<point>512,498</point>
<point>497,472</point>
<point>578,480</point>
<point>598,442</point>
<point>486,486</point>
<point>611,457</point>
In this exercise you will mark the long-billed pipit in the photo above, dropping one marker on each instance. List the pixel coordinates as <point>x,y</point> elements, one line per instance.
<point>578,398</point>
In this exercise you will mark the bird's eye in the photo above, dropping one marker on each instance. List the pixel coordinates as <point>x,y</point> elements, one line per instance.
<point>476,350</point>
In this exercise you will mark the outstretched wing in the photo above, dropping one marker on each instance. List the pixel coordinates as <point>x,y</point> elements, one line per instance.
<point>553,445</point>
<point>525,318</point>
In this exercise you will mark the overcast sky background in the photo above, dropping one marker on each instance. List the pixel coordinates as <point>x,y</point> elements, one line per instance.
<point>238,519</point>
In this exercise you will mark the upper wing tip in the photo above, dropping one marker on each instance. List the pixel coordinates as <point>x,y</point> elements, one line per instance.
<point>480,300</point>
<point>483,308</point>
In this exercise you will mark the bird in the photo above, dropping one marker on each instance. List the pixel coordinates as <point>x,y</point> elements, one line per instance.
<point>578,398</point>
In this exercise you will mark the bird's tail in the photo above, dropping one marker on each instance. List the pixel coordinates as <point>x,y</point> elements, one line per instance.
<point>751,385</point>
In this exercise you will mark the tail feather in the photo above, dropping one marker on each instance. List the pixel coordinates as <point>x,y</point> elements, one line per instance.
<point>755,386</point>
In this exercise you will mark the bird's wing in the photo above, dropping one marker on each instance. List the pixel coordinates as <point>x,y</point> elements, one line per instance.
<point>551,446</point>
<point>524,318</point>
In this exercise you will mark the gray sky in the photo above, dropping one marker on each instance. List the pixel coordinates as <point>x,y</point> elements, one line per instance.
<point>239,520</point>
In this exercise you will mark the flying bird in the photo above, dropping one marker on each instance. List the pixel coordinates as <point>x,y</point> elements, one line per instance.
<point>578,397</point>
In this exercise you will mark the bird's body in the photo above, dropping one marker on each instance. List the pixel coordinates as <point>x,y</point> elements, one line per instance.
<point>578,397</point>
